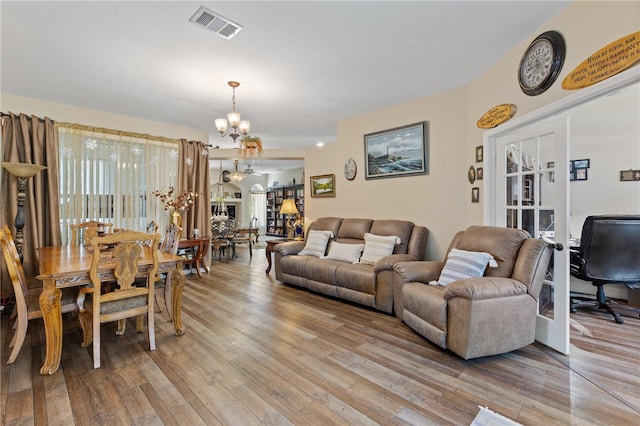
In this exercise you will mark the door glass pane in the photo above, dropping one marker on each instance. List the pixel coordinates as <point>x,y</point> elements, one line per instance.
<point>512,191</point>
<point>528,221</point>
<point>528,189</point>
<point>511,218</point>
<point>512,154</point>
<point>529,155</point>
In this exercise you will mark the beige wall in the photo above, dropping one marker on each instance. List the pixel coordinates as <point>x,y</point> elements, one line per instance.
<point>441,200</point>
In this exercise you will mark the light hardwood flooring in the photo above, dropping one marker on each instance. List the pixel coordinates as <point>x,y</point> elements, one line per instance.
<point>257,352</point>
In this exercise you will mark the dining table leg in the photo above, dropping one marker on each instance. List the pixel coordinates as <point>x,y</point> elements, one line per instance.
<point>177,285</point>
<point>52,317</point>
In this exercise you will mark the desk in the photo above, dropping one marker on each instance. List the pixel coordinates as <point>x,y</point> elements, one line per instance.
<point>271,244</point>
<point>68,266</point>
<point>196,247</point>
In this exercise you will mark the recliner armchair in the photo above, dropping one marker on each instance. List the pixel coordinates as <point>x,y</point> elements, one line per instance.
<point>609,253</point>
<point>475,317</point>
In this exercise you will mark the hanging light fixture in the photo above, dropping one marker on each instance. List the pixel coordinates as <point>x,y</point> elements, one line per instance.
<point>236,176</point>
<point>238,127</point>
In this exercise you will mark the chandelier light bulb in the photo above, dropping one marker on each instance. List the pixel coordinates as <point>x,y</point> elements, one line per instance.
<point>234,119</point>
<point>244,126</point>
<point>238,126</point>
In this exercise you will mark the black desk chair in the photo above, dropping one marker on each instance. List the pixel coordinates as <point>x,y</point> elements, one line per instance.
<point>609,254</point>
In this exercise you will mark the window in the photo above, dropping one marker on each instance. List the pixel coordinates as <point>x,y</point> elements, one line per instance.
<point>110,177</point>
<point>259,204</point>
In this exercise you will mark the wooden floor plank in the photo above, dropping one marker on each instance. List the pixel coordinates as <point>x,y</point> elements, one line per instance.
<point>256,351</point>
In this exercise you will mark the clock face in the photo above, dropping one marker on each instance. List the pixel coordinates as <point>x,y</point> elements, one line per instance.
<point>536,64</point>
<point>350,169</point>
<point>541,63</point>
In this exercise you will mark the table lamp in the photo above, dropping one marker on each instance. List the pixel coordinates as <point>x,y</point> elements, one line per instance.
<point>289,208</point>
<point>22,171</point>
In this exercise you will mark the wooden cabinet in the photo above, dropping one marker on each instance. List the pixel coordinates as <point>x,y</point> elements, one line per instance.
<point>276,225</point>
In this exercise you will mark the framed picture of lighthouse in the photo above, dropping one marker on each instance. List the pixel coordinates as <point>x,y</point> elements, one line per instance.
<point>402,151</point>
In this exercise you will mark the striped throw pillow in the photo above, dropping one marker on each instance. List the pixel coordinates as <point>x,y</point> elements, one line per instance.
<point>316,243</point>
<point>463,264</point>
<point>377,247</point>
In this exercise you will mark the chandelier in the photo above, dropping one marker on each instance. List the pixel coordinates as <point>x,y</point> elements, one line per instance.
<point>236,176</point>
<point>238,127</point>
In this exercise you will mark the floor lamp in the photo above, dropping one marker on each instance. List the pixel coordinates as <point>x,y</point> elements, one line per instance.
<point>289,208</point>
<point>22,171</point>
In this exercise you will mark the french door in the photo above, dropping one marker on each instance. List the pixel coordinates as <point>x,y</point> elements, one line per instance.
<point>532,184</point>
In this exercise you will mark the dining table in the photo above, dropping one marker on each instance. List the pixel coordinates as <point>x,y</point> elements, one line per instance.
<point>68,266</point>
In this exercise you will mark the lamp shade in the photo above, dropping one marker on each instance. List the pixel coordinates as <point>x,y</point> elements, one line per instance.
<point>23,170</point>
<point>288,207</point>
<point>221,124</point>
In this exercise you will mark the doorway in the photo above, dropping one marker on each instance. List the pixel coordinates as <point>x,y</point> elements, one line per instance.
<point>564,225</point>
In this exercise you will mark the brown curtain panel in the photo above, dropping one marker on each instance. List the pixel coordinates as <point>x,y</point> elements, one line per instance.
<point>33,140</point>
<point>193,174</point>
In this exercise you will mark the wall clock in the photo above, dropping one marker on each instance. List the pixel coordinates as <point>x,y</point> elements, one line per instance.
<point>541,63</point>
<point>350,169</point>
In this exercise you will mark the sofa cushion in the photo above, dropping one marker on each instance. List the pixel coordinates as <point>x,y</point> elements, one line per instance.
<point>345,252</point>
<point>353,230</point>
<point>503,243</point>
<point>463,264</point>
<point>377,247</point>
<point>322,270</point>
<point>316,244</point>
<point>400,228</point>
<point>361,278</point>
<point>326,224</point>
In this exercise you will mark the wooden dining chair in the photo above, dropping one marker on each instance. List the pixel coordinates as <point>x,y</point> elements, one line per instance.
<point>221,234</point>
<point>121,252</point>
<point>169,245</point>
<point>87,230</point>
<point>27,294</point>
<point>243,236</point>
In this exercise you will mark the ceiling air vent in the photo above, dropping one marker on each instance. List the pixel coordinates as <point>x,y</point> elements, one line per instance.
<point>213,21</point>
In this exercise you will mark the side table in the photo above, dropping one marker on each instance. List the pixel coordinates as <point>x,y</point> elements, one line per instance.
<point>271,244</point>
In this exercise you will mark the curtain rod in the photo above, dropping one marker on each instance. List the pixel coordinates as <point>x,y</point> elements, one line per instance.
<point>76,126</point>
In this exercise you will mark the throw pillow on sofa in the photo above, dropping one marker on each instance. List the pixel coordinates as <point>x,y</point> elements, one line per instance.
<point>377,247</point>
<point>463,264</point>
<point>345,252</point>
<point>316,243</point>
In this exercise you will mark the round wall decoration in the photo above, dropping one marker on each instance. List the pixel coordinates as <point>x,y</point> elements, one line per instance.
<point>541,63</point>
<point>350,169</point>
<point>471,174</point>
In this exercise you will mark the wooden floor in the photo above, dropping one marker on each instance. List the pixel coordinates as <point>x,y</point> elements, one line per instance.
<point>258,352</point>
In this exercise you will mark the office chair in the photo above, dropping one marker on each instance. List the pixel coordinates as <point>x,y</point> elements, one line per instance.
<point>609,253</point>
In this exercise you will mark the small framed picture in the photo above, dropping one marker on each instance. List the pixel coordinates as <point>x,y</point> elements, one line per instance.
<point>479,154</point>
<point>581,174</point>
<point>323,186</point>
<point>479,173</point>
<point>581,164</point>
<point>475,194</point>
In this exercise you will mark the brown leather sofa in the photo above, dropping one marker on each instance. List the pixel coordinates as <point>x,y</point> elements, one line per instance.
<point>369,285</point>
<point>475,317</point>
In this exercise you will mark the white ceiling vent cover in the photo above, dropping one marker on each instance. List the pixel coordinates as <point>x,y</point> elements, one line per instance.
<point>213,21</point>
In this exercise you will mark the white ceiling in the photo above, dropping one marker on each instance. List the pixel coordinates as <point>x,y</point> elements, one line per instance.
<point>303,66</point>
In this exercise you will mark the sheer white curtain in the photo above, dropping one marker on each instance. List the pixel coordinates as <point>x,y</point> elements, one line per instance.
<point>111,177</point>
<point>259,205</point>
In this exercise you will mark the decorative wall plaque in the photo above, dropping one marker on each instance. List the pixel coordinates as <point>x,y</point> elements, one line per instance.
<point>497,115</point>
<point>606,62</point>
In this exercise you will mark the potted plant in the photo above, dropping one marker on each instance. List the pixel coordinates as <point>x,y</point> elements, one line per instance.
<point>250,146</point>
